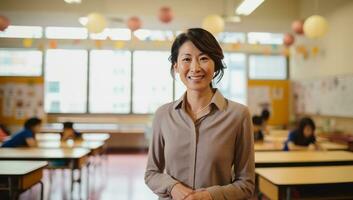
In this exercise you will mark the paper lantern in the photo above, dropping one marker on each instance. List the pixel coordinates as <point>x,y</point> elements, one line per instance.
<point>4,23</point>
<point>297,27</point>
<point>134,23</point>
<point>213,24</point>
<point>96,23</point>
<point>288,39</point>
<point>315,26</point>
<point>165,14</point>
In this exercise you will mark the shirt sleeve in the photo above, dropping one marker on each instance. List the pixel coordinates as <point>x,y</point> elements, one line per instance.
<point>243,185</point>
<point>27,134</point>
<point>158,181</point>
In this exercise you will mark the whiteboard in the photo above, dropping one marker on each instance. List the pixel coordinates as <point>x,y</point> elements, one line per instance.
<point>331,96</point>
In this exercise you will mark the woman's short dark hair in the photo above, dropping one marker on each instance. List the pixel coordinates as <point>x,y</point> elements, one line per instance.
<point>32,122</point>
<point>265,114</point>
<point>306,121</point>
<point>206,43</point>
<point>67,125</point>
<point>257,120</point>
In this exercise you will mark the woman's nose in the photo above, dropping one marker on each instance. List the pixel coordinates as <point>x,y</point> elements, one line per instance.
<point>195,66</point>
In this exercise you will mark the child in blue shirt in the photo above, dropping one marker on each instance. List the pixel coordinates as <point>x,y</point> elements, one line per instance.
<point>303,136</point>
<point>25,138</point>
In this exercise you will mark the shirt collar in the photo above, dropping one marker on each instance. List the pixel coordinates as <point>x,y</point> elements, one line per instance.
<point>218,100</point>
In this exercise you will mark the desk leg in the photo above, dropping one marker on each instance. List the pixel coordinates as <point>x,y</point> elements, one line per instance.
<point>87,179</point>
<point>72,178</point>
<point>288,193</point>
<point>41,190</point>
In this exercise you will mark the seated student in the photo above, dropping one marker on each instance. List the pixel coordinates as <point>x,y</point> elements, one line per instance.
<point>303,136</point>
<point>265,115</point>
<point>257,124</point>
<point>26,137</point>
<point>69,132</point>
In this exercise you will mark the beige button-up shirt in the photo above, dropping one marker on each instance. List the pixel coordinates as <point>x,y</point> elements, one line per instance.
<point>215,152</point>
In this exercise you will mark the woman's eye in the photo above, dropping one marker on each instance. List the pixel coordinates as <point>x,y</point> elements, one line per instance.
<point>187,59</point>
<point>204,58</point>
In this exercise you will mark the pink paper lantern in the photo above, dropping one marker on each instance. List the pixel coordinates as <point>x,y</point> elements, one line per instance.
<point>4,23</point>
<point>165,14</point>
<point>297,27</point>
<point>134,23</point>
<point>288,39</point>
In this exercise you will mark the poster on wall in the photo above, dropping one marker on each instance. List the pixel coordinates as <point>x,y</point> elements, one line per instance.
<point>21,101</point>
<point>259,98</point>
<point>331,96</point>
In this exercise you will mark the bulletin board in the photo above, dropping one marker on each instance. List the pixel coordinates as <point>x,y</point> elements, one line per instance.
<point>272,95</point>
<point>332,96</point>
<point>20,98</point>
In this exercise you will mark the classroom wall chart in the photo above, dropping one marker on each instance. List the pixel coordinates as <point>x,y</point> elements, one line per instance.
<point>20,101</point>
<point>331,96</point>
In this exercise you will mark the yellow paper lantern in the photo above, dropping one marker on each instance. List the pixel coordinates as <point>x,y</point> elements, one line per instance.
<point>315,26</point>
<point>96,23</point>
<point>213,23</point>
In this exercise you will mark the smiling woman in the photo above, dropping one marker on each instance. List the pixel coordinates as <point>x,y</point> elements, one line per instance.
<point>199,139</point>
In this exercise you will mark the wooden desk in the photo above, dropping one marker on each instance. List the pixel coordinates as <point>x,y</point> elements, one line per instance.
<point>95,147</point>
<point>76,158</point>
<point>276,183</point>
<point>97,137</point>
<point>302,158</point>
<point>20,176</point>
<point>278,146</point>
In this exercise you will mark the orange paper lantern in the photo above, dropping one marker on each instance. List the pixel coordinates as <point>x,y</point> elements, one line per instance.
<point>165,14</point>
<point>134,23</point>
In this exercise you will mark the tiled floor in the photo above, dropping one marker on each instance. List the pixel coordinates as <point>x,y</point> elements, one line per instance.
<point>122,180</point>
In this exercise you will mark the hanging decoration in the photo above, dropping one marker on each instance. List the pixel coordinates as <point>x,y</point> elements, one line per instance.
<point>119,44</point>
<point>315,51</point>
<point>4,23</point>
<point>213,23</point>
<point>134,23</point>
<point>27,42</point>
<point>165,14</point>
<point>96,23</point>
<point>315,26</point>
<point>288,39</point>
<point>53,44</point>
<point>98,44</point>
<point>297,27</point>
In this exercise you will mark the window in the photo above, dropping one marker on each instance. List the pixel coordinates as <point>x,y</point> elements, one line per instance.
<point>234,82</point>
<point>66,33</point>
<point>22,32</point>
<point>20,62</point>
<point>152,85</point>
<point>113,34</point>
<point>144,34</point>
<point>267,67</point>
<point>65,81</point>
<point>231,37</point>
<point>110,81</point>
<point>265,38</point>
<point>180,88</point>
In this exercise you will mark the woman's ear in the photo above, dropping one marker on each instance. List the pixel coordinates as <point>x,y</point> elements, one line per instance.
<point>175,66</point>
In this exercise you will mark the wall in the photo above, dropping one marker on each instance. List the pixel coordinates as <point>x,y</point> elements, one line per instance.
<point>335,55</point>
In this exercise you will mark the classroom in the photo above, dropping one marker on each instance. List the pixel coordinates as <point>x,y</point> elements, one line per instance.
<point>176,100</point>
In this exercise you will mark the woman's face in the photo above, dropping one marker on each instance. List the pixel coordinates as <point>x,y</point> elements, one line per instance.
<point>308,131</point>
<point>195,68</point>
